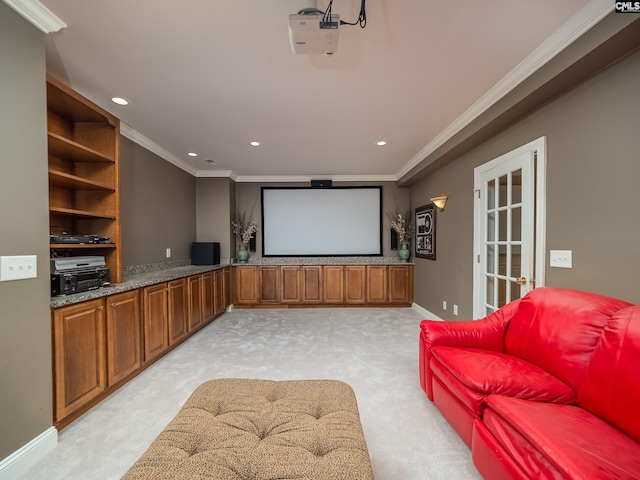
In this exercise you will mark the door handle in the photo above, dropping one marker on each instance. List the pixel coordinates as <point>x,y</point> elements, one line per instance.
<point>521,281</point>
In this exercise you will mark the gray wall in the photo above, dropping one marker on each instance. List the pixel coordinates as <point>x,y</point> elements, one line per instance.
<point>394,199</point>
<point>593,168</point>
<point>25,332</point>
<point>157,207</point>
<point>214,206</point>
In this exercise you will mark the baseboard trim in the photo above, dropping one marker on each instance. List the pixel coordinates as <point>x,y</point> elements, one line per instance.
<point>426,314</point>
<point>30,454</point>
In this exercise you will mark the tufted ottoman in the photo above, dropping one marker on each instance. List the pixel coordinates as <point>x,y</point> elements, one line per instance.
<point>236,429</point>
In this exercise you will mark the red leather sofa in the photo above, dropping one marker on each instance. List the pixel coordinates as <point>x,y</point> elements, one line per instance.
<point>546,387</point>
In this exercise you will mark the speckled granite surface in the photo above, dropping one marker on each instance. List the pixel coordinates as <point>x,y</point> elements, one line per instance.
<point>145,275</point>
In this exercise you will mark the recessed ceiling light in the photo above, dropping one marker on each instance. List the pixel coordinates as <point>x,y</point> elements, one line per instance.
<point>192,154</point>
<point>381,143</point>
<point>254,144</point>
<point>120,101</point>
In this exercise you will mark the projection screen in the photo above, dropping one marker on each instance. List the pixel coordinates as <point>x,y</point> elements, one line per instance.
<point>336,221</point>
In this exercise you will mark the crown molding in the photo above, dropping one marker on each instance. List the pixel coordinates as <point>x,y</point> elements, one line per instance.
<point>150,145</point>
<point>588,16</point>
<point>39,15</point>
<point>308,178</point>
<point>216,174</point>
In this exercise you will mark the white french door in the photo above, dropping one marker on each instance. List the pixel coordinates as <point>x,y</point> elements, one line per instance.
<point>509,227</point>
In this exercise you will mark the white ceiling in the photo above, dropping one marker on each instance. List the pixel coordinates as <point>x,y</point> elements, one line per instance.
<point>209,76</point>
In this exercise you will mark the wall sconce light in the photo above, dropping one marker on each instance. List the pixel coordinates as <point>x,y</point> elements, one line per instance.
<point>440,202</point>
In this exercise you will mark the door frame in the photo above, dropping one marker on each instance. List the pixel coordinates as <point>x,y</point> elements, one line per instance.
<point>538,148</point>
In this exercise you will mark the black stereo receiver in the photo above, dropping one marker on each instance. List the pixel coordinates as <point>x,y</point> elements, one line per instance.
<point>78,281</point>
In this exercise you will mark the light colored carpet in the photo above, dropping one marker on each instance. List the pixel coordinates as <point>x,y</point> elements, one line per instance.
<point>373,350</point>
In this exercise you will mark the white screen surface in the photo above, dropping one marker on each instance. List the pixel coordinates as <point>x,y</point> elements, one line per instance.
<point>321,221</point>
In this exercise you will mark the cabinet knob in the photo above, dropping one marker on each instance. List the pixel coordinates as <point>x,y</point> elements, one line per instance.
<point>113,304</point>
<point>100,307</point>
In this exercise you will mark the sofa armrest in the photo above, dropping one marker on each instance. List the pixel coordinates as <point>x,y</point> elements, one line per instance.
<point>486,333</point>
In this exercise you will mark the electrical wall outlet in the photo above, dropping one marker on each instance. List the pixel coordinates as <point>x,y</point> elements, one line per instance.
<point>168,253</point>
<point>18,267</point>
<point>560,258</point>
<point>444,304</point>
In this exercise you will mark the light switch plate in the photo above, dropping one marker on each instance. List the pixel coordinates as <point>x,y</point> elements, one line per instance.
<point>18,267</point>
<point>560,259</point>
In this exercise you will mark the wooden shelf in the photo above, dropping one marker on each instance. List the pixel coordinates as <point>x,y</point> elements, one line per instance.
<point>62,246</point>
<point>66,149</point>
<point>68,103</point>
<point>84,174</point>
<point>66,180</point>
<point>80,213</point>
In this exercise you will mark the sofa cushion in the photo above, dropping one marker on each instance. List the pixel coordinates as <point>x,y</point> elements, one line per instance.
<point>557,329</point>
<point>611,385</point>
<point>548,440</point>
<point>472,374</point>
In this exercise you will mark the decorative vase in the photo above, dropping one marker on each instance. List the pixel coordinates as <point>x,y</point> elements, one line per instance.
<point>404,253</point>
<point>243,253</point>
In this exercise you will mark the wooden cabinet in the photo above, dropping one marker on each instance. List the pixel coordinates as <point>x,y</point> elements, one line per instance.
<point>123,336</point>
<point>79,373</point>
<point>377,288</point>
<point>355,286</point>
<point>401,284</point>
<point>315,285</point>
<point>100,344</point>
<point>246,285</point>
<point>208,307</point>
<point>177,310</point>
<point>290,291</point>
<point>269,284</point>
<point>155,321</point>
<point>194,289</point>
<point>84,150</point>
<point>333,287</point>
<point>311,284</point>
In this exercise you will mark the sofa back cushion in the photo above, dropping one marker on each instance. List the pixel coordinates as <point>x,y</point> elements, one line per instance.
<point>557,329</point>
<point>610,388</point>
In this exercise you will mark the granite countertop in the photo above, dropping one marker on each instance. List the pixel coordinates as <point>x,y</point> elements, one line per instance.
<point>138,277</point>
<point>132,282</point>
<point>325,261</point>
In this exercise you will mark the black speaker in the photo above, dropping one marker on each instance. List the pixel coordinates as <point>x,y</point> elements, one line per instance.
<point>321,183</point>
<point>205,253</point>
<point>394,239</point>
<point>252,244</point>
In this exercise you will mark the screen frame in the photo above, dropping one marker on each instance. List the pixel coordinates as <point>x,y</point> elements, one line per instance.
<point>325,255</point>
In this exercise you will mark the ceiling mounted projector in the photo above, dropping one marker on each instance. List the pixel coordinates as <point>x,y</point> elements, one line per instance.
<point>313,33</point>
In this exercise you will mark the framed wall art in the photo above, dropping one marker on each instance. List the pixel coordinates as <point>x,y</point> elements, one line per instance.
<point>425,223</point>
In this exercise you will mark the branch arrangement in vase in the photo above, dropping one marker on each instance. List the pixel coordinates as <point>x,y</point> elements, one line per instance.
<point>243,231</point>
<point>403,229</point>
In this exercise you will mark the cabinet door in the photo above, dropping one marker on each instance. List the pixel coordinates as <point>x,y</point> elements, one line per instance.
<point>333,284</point>
<point>155,321</point>
<point>401,284</point>
<point>78,355</point>
<point>177,310</point>
<point>195,301</point>
<point>269,284</point>
<point>355,286</point>
<point>290,292</point>
<point>226,276</point>
<point>208,307</point>
<point>246,285</point>
<point>218,292</point>
<point>312,284</point>
<point>123,335</point>
<point>377,286</point>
